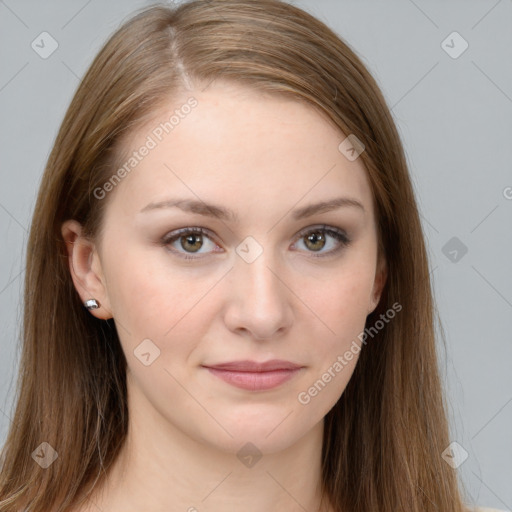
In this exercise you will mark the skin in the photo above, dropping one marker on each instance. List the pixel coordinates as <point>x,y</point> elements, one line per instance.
<point>262,157</point>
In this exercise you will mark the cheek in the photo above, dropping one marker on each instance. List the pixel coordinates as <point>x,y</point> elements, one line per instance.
<point>342,309</point>
<point>154,299</point>
<point>342,300</point>
<point>141,285</point>
<point>341,306</point>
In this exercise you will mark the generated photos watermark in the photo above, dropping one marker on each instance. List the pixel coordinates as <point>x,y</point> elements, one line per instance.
<point>152,141</point>
<point>304,397</point>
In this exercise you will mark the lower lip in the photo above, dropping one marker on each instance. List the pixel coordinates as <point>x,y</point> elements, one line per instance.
<point>254,381</point>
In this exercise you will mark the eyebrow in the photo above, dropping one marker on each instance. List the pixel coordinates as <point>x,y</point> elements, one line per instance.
<point>219,212</point>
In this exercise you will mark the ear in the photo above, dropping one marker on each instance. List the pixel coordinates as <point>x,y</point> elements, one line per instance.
<point>85,268</point>
<point>381,276</point>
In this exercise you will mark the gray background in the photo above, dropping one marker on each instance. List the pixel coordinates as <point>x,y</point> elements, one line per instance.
<point>455,118</point>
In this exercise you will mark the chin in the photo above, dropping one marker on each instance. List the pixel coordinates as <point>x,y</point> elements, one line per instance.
<point>270,431</point>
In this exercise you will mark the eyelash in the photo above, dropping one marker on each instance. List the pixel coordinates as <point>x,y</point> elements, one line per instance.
<point>339,235</point>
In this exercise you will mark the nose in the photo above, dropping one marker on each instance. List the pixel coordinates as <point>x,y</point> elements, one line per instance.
<point>259,299</point>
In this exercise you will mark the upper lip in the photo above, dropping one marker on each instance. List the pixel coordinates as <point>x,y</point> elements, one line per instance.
<point>254,366</point>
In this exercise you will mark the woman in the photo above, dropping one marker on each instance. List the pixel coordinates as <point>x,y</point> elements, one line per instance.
<point>227,299</point>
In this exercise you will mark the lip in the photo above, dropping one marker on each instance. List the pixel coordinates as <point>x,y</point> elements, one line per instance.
<point>254,366</point>
<point>254,376</point>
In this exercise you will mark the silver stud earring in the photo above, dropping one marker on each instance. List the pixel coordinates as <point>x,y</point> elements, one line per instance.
<point>91,304</point>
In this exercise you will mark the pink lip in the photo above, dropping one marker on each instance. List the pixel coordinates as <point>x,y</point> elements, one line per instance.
<point>255,376</point>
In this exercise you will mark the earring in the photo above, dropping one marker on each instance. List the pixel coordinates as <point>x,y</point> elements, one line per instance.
<point>91,304</point>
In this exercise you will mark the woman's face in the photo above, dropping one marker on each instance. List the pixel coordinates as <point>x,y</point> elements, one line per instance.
<point>266,279</point>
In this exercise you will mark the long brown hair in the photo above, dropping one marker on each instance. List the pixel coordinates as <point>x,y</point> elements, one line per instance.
<point>384,438</point>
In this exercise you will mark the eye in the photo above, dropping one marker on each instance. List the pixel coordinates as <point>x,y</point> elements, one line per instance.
<point>191,240</point>
<point>316,239</point>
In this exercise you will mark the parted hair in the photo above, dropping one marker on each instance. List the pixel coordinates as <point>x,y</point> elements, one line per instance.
<point>384,437</point>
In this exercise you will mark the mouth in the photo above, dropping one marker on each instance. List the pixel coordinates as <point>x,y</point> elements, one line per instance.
<point>254,376</point>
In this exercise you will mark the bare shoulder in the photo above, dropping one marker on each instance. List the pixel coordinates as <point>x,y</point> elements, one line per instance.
<point>486,509</point>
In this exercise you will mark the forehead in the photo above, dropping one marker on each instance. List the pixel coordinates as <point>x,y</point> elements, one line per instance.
<point>231,144</point>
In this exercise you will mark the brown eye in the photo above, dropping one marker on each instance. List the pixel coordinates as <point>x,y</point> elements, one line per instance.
<point>187,241</point>
<point>315,241</point>
<point>192,242</point>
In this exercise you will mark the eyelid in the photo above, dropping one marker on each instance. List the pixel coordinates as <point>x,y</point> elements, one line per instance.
<point>320,227</point>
